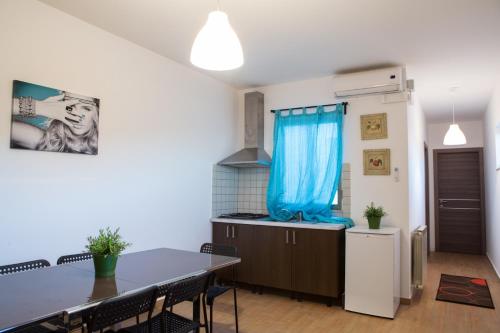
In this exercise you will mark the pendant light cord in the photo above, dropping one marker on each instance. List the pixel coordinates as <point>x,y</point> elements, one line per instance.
<point>452,92</point>
<point>453,107</point>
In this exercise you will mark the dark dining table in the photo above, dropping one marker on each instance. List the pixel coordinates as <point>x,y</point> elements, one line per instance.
<point>65,291</point>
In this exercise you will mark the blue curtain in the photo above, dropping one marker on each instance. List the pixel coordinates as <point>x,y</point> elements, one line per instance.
<point>307,165</point>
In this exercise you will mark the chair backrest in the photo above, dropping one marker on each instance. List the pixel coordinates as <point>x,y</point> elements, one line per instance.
<point>185,290</point>
<point>23,266</point>
<point>121,308</point>
<point>219,249</point>
<point>74,258</point>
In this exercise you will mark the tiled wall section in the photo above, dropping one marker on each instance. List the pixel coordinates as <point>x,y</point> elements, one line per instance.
<point>245,190</point>
<point>346,191</point>
<point>252,190</point>
<point>239,190</point>
<point>224,190</point>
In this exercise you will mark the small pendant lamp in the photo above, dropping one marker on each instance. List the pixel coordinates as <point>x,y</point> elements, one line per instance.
<point>454,136</point>
<point>217,47</point>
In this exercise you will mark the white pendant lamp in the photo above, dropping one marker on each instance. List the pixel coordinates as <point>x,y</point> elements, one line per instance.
<point>454,136</point>
<point>216,46</point>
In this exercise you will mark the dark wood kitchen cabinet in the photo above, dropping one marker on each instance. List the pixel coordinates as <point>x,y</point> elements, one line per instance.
<point>318,261</point>
<point>220,233</point>
<point>243,240</point>
<point>240,236</point>
<point>272,257</point>
<point>309,261</point>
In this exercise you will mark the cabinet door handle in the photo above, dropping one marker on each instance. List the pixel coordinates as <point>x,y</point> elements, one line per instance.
<point>293,237</point>
<point>232,228</point>
<point>227,231</point>
<point>286,237</point>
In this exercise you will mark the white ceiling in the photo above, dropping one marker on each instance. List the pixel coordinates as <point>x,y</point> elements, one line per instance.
<point>443,43</point>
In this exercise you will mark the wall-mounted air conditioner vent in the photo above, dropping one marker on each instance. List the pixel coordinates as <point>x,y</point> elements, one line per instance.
<point>380,81</point>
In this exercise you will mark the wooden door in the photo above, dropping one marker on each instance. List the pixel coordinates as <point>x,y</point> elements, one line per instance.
<point>272,257</point>
<point>459,200</point>
<point>317,261</point>
<point>243,241</point>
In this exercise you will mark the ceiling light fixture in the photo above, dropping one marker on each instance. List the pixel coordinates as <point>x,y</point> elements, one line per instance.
<point>454,136</point>
<point>217,47</point>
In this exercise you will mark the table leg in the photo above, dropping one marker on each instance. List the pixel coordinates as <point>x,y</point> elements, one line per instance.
<point>196,312</point>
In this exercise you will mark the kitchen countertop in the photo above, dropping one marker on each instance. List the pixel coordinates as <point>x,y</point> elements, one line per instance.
<point>302,225</point>
<point>363,229</point>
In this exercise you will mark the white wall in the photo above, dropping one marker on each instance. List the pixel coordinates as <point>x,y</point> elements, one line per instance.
<point>417,134</point>
<point>473,131</point>
<point>383,190</point>
<point>162,127</point>
<point>492,181</point>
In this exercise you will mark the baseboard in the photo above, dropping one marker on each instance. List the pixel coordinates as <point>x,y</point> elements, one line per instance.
<point>405,301</point>
<point>493,265</point>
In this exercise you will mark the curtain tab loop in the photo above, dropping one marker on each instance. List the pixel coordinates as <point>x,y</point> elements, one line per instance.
<point>340,107</point>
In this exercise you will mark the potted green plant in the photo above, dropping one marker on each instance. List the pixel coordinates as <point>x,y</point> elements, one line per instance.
<point>374,215</point>
<point>105,249</point>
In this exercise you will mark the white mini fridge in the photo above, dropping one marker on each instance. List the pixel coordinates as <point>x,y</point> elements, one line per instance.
<point>372,271</point>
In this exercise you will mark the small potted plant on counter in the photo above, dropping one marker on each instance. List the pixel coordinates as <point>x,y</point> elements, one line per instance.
<point>374,215</point>
<point>105,249</point>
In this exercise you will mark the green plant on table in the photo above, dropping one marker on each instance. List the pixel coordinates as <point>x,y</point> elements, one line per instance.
<point>372,211</point>
<point>107,243</point>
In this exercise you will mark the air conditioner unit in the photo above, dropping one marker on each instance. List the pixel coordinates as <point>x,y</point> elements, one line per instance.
<point>380,81</point>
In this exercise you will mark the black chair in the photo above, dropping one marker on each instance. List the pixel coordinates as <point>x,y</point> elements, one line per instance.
<point>188,289</point>
<point>215,290</point>
<point>70,258</point>
<point>67,259</point>
<point>23,266</point>
<point>123,307</point>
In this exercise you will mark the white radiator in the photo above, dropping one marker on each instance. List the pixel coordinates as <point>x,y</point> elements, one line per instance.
<point>419,256</point>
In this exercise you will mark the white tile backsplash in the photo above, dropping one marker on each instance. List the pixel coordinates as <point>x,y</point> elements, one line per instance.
<point>245,190</point>
<point>252,189</point>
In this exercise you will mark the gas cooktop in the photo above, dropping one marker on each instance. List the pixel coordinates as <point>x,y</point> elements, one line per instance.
<point>243,216</point>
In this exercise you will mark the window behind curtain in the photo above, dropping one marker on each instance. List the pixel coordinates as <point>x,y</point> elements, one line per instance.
<point>301,132</point>
<point>306,168</point>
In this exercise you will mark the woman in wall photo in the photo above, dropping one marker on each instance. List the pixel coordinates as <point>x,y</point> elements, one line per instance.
<point>51,120</point>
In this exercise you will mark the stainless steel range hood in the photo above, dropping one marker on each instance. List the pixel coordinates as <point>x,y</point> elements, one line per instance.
<point>253,155</point>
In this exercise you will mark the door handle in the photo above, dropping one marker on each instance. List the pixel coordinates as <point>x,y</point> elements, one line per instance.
<point>232,228</point>
<point>293,238</point>
<point>286,237</point>
<point>227,231</point>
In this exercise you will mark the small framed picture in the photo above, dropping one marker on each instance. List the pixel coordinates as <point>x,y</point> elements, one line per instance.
<point>377,162</point>
<point>374,126</point>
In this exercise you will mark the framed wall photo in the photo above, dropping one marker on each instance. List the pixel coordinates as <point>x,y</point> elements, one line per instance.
<point>47,119</point>
<point>374,126</point>
<point>377,162</point>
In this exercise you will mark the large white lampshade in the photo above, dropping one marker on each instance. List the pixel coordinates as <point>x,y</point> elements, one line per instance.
<point>454,136</point>
<point>216,46</point>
